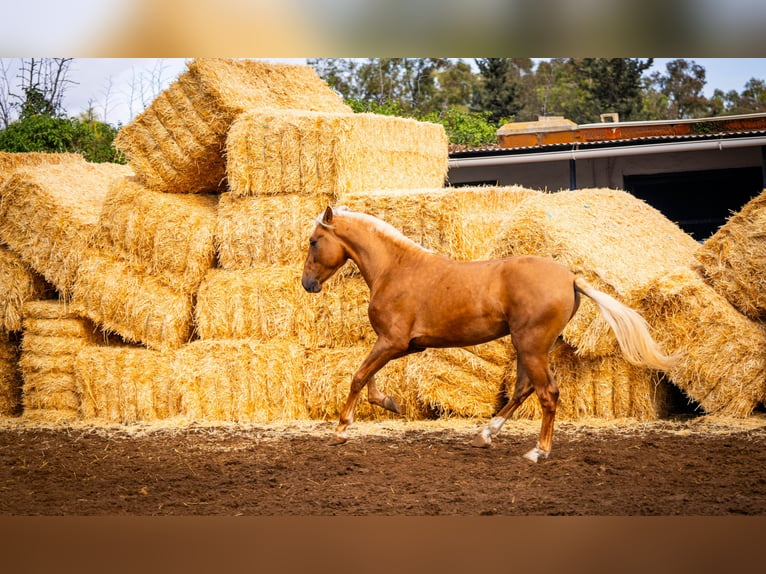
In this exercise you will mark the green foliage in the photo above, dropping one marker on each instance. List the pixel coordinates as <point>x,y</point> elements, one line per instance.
<point>464,128</point>
<point>45,133</point>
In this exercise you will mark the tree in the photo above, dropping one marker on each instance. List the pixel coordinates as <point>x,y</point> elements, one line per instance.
<point>613,83</point>
<point>682,84</point>
<point>500,92</point>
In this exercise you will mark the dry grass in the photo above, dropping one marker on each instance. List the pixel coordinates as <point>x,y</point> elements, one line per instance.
<point>733,260</point>
<point>459,222</point>
<point>291,151</point>
<point>254,231</point>
<point>240,381</point>
<point>18,284</point>
<point>176,144</point>
<point>10,377</point>
<point>125,384</point>
<point>12,161</point>
<point>170,236</point>
<point>722,362</point>
<point>48,215</point>
<point>617,242</point>
<point>126,300</point>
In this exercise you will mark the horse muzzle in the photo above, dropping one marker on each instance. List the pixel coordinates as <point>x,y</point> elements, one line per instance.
<point>311,285</point>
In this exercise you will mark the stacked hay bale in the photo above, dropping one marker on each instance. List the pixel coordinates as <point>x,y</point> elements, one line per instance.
<point>18,285</point>
<point>176,144</point>
<point>9,162</point>
<point>149,254</point>
<point>53,335</point>
<point>48,215</point>
<point>619,244</point>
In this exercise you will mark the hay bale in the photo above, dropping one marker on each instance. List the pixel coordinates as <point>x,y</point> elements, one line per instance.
<point>267,302</point>
<point>11,161</point>
<point>617,242</point>
<point>18,284</point>
<point>253,231</point>
<point>722,363</point>
<point>240,381</point>
<point>459,222</point>
<point>48,215</point>
<point>120,383</point>
<point>53,334</point>
<point>125,299</point>
<point>465,382</point>
<point>733,260</point>
<point>169,235</point>
<point>10,377</point>
<point>292,151</point>
<point>327,375</point>
<point>175,145</point>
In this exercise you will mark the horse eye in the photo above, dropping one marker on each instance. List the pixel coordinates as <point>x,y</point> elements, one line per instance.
<point>312,242</point>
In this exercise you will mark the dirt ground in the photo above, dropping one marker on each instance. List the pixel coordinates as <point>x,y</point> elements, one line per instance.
<point>696,466</point>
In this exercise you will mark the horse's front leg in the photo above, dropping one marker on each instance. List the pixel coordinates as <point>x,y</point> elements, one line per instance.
<point>382,352</point>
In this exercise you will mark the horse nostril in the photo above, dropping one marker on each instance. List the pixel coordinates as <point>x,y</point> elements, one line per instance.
<point>311,285</point>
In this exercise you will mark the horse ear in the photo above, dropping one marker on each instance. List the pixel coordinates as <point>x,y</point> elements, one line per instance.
<point>327,217</point>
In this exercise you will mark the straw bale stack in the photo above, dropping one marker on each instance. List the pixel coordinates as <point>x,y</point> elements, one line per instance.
<point>18,284</point>
<point>125,384</point>
<point>10,377</point>
<point>11,161</point>
<point>722,362</point>
<point>293,151</point>
<point>614,240</point>
<point>459,222</point>
<point>240,381</point>
<point>48,215</point>
<point>125,299</point>
<point>53,334</point>
<point>328,372</point>
<point>733,260</point>
<point>465,382</point>
<point>176,144</point>
<point>169,235</point>
<point>267,303</point>
<point>266,229</point>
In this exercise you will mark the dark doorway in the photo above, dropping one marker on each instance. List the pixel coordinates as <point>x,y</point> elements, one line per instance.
<point>699,201</point>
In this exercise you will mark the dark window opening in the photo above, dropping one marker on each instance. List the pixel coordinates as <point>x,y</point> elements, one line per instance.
<point>699,201</point>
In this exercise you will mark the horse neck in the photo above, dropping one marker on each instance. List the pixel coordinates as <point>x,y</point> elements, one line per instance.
<point>376,251</point>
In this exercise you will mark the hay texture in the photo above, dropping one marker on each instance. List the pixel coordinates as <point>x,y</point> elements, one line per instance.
<point>268,303</point>
<point>240,381</point>
<point>10,377</point>
<point>722,363</point>
<point>48,215</point>
<point>18,284</point>
<point>328,372</point>
<point>125,299</point>
<point>616,241</point>
<point>253,231</point>
<point>53,335</point>
<point>288,151</point>
<point>733,260</point>
<point>11,161</point>
<point>120,383</point>
<point>170,236</point>
<point>176,144</point>
<point>459,222</point>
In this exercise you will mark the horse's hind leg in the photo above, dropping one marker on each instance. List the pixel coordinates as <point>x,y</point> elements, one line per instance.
<point>548,394</point>
<point>376,397</point>
<point>521,391</point>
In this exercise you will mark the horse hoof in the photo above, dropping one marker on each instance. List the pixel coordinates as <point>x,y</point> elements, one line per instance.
<point>391,404</point>
<point>337,439</point>
<point>481,441</point>
<point>536,454</point>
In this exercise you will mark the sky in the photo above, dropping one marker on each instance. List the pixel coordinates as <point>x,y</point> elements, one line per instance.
<point>111,84</point>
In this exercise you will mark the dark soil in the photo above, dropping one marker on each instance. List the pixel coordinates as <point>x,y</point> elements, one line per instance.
<point>685,468</point>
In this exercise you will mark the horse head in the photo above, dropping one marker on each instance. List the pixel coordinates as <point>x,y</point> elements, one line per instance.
<point>326,253</point>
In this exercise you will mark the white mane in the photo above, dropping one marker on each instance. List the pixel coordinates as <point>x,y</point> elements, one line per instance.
<point>372,223</point>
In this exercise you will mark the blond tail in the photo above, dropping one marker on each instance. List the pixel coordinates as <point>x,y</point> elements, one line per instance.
<point>630,328</point>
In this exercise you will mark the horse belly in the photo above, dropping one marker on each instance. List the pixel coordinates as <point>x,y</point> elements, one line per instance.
<point>458,330</point>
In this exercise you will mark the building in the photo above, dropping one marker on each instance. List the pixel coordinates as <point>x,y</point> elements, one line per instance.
<point>695,171</point>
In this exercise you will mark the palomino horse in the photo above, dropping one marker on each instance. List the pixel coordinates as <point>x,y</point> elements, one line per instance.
<point>420,299</point>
